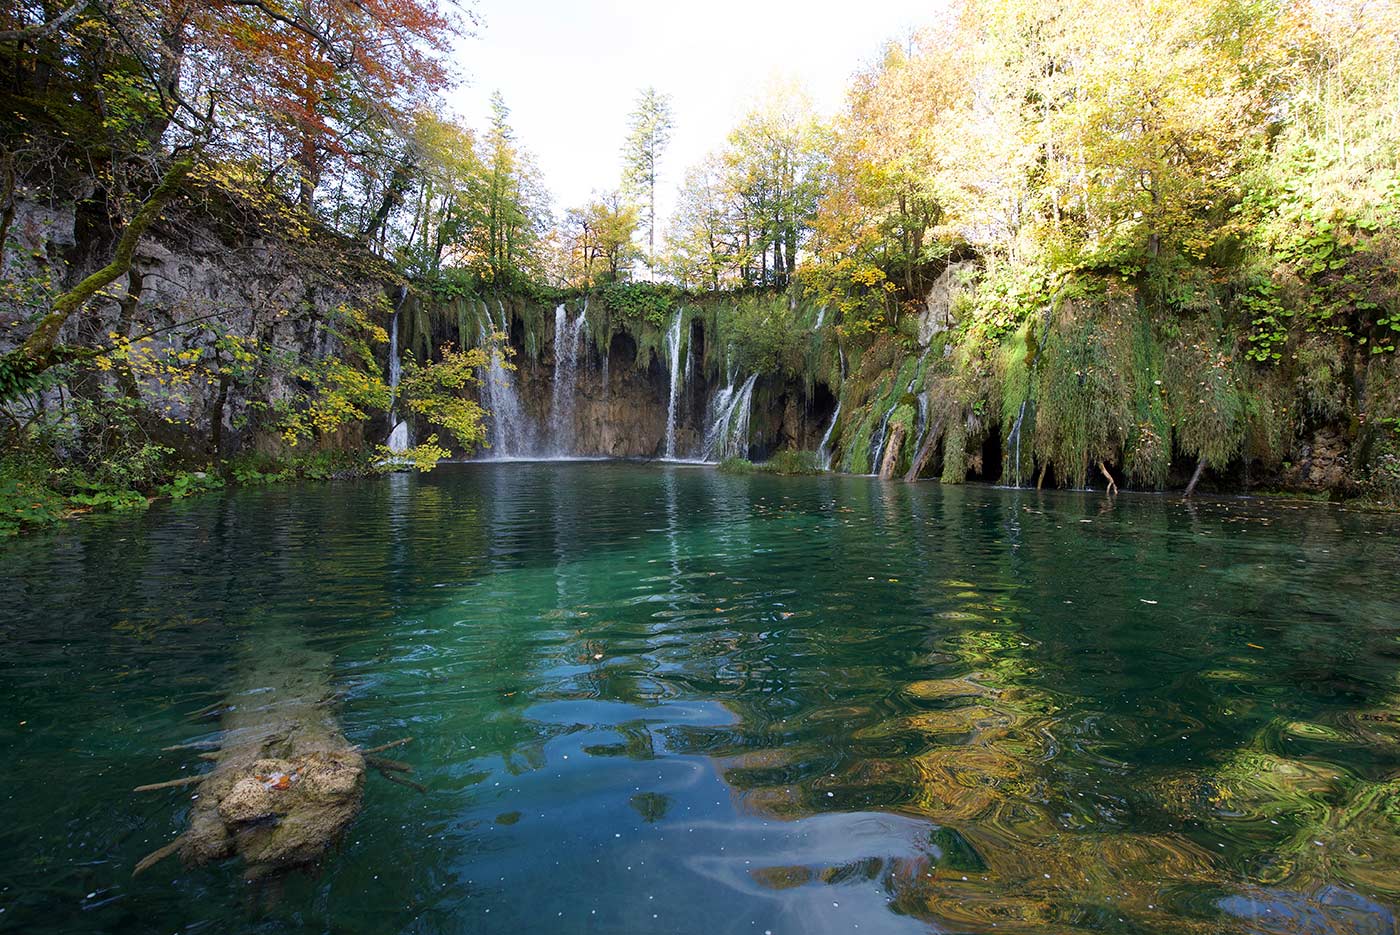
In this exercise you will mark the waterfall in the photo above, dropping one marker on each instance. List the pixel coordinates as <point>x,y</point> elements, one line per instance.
<point>568,335</point>
<point>398,435</point>
<point>673,352</point>
<point>821,319</point>
<point>728,433</point>
<point>823,452</point>
<point>922,422</point>
<point>510,434</point>
<point>877,441</point>
<point>1016,434</point>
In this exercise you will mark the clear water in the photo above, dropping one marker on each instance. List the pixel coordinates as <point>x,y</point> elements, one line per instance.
<point>660,699</point>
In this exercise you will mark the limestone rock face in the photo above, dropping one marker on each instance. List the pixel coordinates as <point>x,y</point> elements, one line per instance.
<point>191,267</point>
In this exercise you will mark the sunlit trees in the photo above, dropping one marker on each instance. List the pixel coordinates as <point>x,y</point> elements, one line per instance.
<point>703,244</point>
<point>516,208</point>
<point>751,206</point>
<point>598,241</point>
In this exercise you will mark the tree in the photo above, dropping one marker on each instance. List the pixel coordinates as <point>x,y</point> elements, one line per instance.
<point>701,245</point>
<point>515,208</point>
<point>749,209</point>
<point>650,126</point>
<point>599,237</point>
<point>775,159</point>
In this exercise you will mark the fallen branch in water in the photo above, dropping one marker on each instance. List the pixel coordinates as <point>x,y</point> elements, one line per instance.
<point>1112,484</point>
<point>402,782</point>
<point>172,783</point>
<point>197,745</point>
<point>159,854</point>
<point>387,746</point>
<point>380,763</point>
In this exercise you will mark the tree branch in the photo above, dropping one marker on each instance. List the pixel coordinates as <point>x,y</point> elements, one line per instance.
<point>43,30</point>
<point>37,353</point>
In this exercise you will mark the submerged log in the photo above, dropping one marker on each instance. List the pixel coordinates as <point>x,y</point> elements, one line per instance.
<point>892,451</point>
<point>285,782</point>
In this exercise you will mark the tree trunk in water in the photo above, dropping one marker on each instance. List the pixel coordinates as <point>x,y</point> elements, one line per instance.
<point>892,451</point>
<point>1195,479</point>
<point>926,450</point>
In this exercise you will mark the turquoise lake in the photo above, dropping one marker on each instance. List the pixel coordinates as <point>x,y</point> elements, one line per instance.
<point>656,698</point>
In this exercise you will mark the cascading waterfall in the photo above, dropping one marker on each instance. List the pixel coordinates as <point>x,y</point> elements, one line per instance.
<point>673,352</point>
<point>728,433</point>
<point>568,336</point>
<point>1015,440</point>
<point>398,436</point>
<point>823,452</point>
<point>877,442</point>
<point>510,434</point>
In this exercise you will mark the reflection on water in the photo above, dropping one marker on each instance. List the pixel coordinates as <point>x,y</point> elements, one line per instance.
<point>662,699</point>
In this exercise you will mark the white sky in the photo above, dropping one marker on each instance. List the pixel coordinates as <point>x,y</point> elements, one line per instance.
<point>570,71</point>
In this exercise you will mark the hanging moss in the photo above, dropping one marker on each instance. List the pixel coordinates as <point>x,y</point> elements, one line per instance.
<point>1205,395</point>
<point>466,334</point>
<point>955,453</point>
<point>1084,387</point>
<point>1017,404</point>
<point>422,330</point>
<point>1148,455</point>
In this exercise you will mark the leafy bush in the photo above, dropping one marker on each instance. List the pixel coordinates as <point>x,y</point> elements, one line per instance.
<point>766,335</point>
<point>640,301</point>
<point>434,391</point>
<point>27,504</point>
<point>787,463</point>
<point>737,466</point>
<point>189,483</point>
<point>790,462</point>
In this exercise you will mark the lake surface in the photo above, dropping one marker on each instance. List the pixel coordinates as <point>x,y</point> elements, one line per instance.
<point>660,699</point>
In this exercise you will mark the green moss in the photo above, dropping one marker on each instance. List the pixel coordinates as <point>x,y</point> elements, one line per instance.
<point>1148,455</point>
<point>787,463</point>
<point>1205,395</point>
<point>1084,387</point>
<point>955,453</point>
<point>790,462</point>
<point>737,466</point>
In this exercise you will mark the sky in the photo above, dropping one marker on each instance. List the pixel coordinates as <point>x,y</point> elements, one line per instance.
<point>570,71</point>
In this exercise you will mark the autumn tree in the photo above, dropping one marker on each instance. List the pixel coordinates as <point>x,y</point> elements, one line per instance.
<point>754,202</point>
<point>599,240</point>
